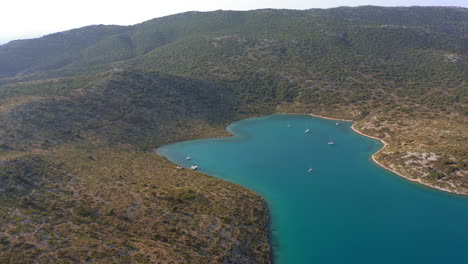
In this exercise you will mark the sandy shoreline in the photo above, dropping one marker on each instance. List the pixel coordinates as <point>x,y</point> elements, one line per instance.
<point>385,144</point>
<point>329,118</point>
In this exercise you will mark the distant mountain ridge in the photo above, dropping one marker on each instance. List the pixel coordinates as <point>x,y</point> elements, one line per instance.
<point>102,44</point>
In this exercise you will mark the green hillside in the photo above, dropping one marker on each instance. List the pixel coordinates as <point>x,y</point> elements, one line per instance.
<point>103,44</point>
<point>78,108</point>
<point>122,107</point>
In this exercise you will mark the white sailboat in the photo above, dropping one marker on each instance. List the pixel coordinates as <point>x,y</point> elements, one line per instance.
<point>308,124</point>
<point>330,142</point>
<point>188,158</point>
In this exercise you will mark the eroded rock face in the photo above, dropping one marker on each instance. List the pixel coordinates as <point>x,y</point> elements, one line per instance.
<point>454,58</point>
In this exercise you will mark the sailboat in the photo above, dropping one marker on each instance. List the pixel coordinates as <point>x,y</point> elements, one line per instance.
<point>330,142</point>
<point>309,170</point>
<point>307,130</point>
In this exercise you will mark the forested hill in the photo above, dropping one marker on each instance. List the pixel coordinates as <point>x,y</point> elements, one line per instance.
<point>440,28</point>
<point>81,111</point>
<point>360,54</point>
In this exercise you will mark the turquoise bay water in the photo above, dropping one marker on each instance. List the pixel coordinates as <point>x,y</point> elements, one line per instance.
<point>347,210</point>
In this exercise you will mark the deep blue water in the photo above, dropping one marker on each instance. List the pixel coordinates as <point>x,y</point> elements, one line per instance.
<point>347,210</point>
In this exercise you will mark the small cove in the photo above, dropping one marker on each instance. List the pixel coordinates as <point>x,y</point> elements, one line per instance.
<point>347,210</point>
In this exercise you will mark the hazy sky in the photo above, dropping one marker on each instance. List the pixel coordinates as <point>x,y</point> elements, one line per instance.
<point>33,18</point>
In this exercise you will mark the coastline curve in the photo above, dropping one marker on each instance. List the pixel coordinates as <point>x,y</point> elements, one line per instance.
<point>385,145</point>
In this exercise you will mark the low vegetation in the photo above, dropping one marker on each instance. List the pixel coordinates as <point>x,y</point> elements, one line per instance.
<point>80,183</point>
<point>121,205</point>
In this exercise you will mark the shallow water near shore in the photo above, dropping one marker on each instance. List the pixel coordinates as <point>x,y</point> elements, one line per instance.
<point>347,210</point>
